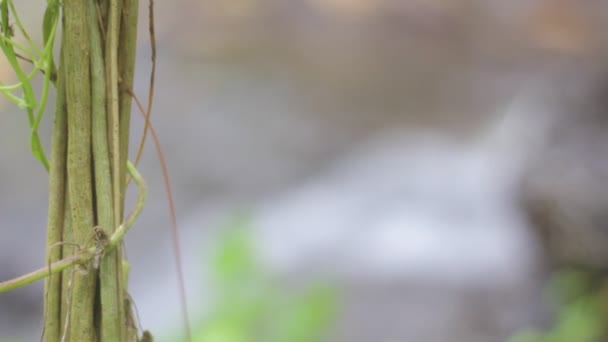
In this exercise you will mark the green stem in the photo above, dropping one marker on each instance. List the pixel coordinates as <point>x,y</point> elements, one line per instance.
<point>112,97</point>
<point>57,188</point>
<point>6,88</point>
<point>76,51</point>
<point>22,29</point>
<point>86,255</point>
<point>14,44</point>
<point>46,271</point>
<point>68,249</point>
<point>126,65</point>
<point>120,232</point>
<point>47,66</point>
<point>112,312</point>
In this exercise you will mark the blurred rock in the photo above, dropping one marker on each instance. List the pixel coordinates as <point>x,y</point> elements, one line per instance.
<point>565,185</point>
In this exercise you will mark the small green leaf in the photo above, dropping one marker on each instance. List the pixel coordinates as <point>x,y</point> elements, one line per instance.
<point>38,151</point>
<point>50,18</point>
<point>234,261</point>
<point>308,315</point>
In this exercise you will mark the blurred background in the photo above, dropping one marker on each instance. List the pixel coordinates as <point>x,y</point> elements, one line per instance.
<point>371,148</point>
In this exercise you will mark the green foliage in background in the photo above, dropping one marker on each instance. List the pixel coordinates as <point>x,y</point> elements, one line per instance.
<point>249,306</point>
<point>581,313</point>
<point>41,60</point>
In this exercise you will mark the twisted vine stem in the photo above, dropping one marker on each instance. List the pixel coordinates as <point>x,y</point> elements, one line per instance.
<point>85,256</point>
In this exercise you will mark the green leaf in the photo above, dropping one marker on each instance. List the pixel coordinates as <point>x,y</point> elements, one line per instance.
<point>37,150</point>
<point>310,314</point>
<point>249,306</point>
<point>49,20</point>
<point>234,263</point>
